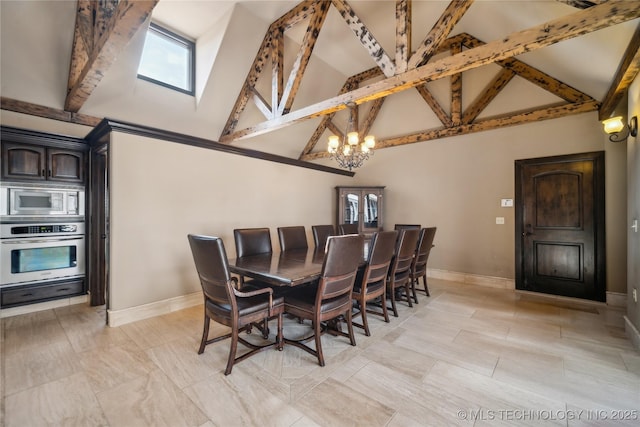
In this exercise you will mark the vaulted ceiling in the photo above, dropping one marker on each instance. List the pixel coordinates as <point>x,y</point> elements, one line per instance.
<point>415,57</point>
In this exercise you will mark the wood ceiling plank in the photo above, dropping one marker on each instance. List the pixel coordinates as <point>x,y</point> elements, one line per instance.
<point>537,37</point>
<point>365,37</point>
<point>625,74</point>
<point>440,31</point>
<point>128,18</point>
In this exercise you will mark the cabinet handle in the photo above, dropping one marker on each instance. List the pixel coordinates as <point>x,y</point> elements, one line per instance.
<point>49,172</point>
<point>62,289</point>
<point>43,174</point>
<point>27,295</point>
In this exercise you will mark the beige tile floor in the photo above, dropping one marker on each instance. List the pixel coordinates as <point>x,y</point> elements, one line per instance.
<point>467,355</point>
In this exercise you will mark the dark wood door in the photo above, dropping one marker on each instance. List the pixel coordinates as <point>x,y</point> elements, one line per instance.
<point>560,226</point>
<point>98,226</point>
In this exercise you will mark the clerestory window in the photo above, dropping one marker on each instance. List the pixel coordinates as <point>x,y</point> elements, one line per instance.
<point>168,60</point>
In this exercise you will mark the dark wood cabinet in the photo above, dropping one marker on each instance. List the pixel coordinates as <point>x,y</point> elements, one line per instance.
<point>363,206</point>
<point>39,163</point>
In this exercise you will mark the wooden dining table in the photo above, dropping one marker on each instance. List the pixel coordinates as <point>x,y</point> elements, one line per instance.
<point>286,268</point>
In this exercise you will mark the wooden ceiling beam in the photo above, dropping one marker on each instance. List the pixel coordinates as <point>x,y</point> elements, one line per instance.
<point>23,107</point>
<point>302,59</point>
<point>489,94</point>
<point>403,34</point>
<point>510,119</point>
<point>537,37</point>
<point>115,31</point>
<point>435,105</point>
<point>440,31</point>
<point>365,37</point>
<point>626,73</point>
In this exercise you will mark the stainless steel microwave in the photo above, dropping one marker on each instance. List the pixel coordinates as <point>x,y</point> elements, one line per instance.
<point>20,202</point>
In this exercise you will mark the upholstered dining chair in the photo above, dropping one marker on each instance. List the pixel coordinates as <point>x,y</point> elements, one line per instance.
<point>370,281</point>
<point>348,229</point>
<point>321,233</point>
<point>293,237</point>
<point>227,305</point>
<point>419,265</point>
<point>401,226</point>
<point>330,297</point>
<point>398,281</point>
<point>252,241</point>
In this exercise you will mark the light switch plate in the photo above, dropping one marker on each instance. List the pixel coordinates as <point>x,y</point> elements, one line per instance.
<point>500,220</point>
<point>506,203</point>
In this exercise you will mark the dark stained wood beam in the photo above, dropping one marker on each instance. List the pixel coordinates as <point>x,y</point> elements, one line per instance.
<point>403,34</point>
<point>537,37</point>
<point>626,73</point>
<point>365,37</point>
<point>114,31</point>
<point>440,31</point>
<point>510,119</point>
<point>82,40</point>
<point>14,105</point>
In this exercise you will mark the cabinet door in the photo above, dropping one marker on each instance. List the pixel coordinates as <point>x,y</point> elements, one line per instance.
<point>351,207</point>
<point>371,210</point>
<point>23,161</point>
<point>65,165</point>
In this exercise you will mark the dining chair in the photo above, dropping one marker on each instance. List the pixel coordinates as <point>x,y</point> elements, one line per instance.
<point>401,226</point>
<point>330,297</point>
<point>398,280</point>
<point>419,265</point>
<point>320,234</point>
<point>348,229</point>
<point>370,281</point>
<point>293,237</point>
<point>224,303</point>
<point>252,241</point>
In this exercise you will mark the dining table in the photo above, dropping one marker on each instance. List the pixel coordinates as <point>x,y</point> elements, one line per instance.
<point>285,268</point>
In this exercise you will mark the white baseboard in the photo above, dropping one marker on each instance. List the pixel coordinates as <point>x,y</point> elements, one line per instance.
<point>132,314</point>
<point>632,333</point>
<point>40,306</point>
<point>617,299</point>
<point>472,279</point>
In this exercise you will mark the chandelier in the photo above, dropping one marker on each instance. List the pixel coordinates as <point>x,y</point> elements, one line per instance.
<point>349,152</point>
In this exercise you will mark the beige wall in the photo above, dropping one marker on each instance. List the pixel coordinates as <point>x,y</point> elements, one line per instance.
<point>633,212</point>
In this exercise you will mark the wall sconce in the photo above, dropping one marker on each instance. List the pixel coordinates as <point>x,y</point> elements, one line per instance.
<point>618,131</point>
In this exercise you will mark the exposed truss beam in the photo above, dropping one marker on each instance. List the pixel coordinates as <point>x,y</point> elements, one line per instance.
<point>626,73</point>
<point>564,28</point>
<point>97,46</point>
<point>403,34</point>
<point>23,107</point>
<point>366,37</point>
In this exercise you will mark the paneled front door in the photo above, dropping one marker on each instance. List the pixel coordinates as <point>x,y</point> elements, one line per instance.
<point>560,225</point>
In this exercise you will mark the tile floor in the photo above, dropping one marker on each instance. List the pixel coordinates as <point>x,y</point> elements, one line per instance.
<point>467,355</point>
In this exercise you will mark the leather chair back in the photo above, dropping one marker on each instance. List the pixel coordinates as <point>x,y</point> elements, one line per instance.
<point>321,233</point>
<point>348,229</point>
<point>212,266</point>
<point>344,254</point>
<point>294,237</point>
<point>381,251</point>
<point>252,241</point>
<point>425,242</point>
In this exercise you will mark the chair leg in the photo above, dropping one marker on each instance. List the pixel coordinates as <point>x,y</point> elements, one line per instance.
<point>363,312</point>
<point>316,331</point>
<point>392,293</point>
<point>426,287</point>
<point>407,293</point>
<point>352,337</point>
<point>205,334</point>
<point>232,350</point>
<point>385,312</point>
<point>413,289</point>
<point>279,338</point>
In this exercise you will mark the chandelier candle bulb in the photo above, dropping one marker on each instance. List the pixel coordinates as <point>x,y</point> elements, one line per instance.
<point>348,151</point>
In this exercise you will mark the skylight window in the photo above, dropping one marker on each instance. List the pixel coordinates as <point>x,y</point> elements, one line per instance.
<point>168,60</point>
